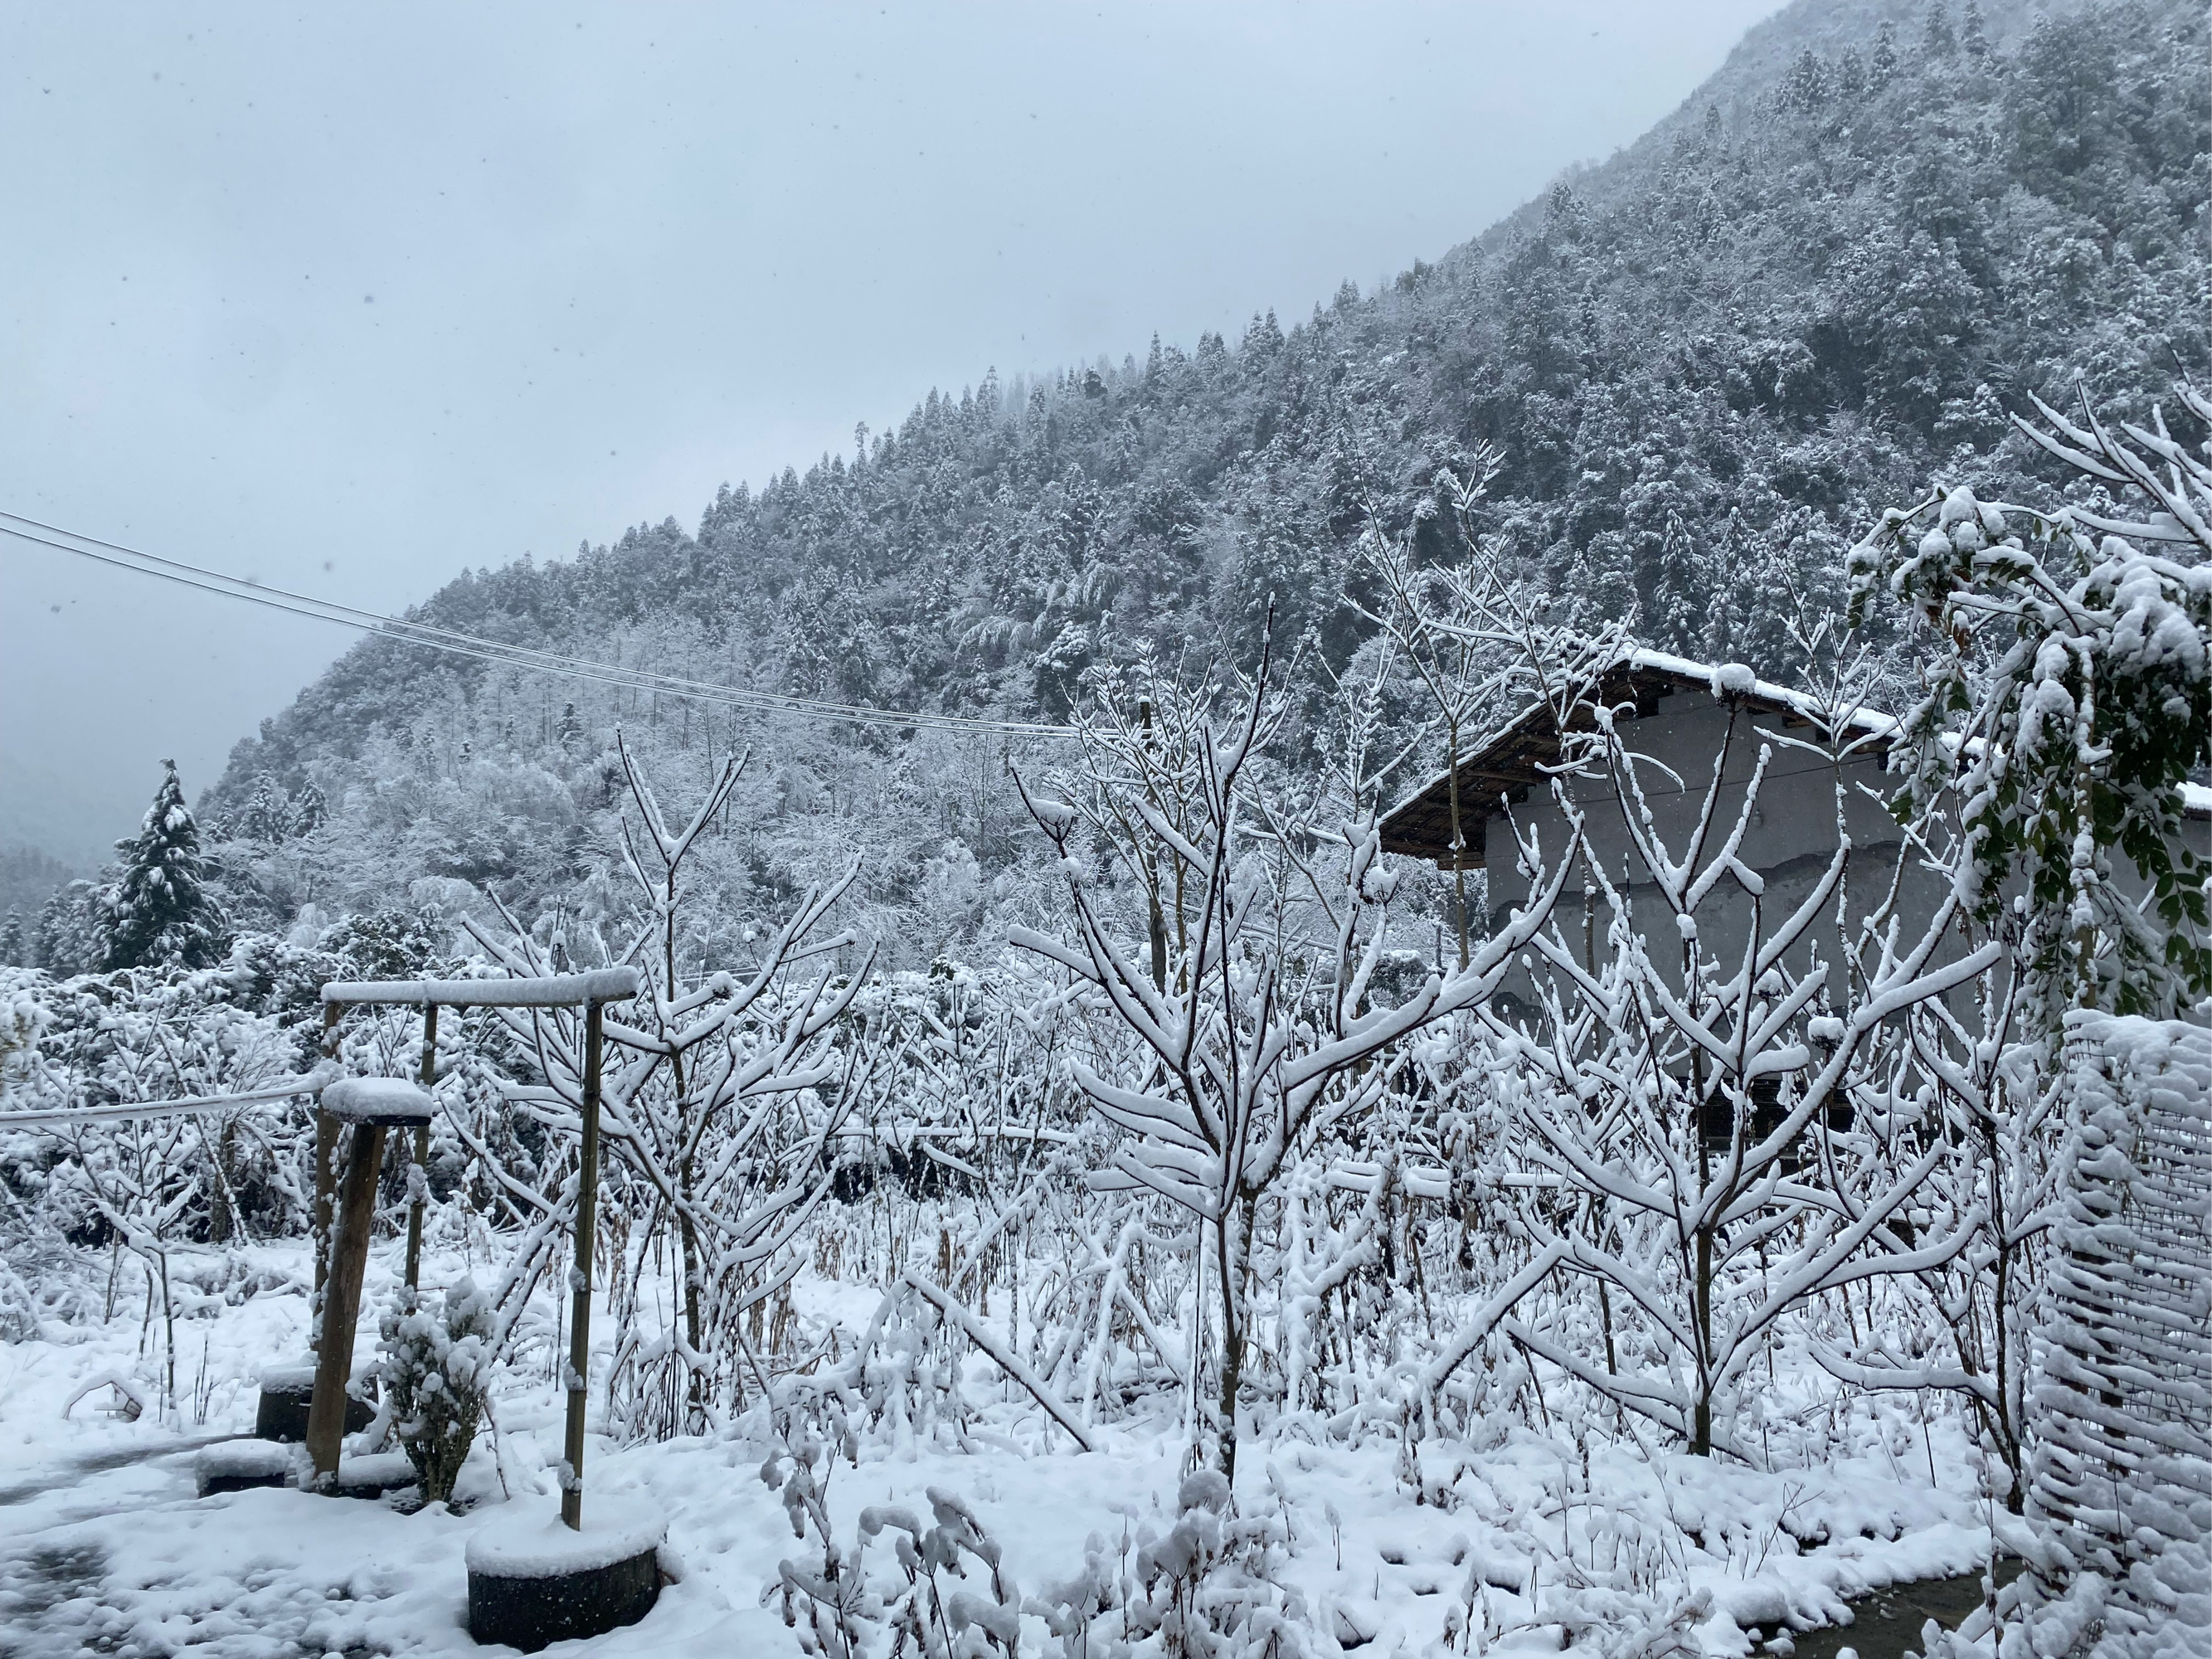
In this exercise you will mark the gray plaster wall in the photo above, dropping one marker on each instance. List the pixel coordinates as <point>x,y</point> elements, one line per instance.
<point>1805,799</point>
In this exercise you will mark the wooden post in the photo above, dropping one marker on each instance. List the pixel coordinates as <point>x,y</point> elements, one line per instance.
<point>579,1281</point>
<point>420,1178</point>
<point>356,1217</point>
<point>326,1135</point>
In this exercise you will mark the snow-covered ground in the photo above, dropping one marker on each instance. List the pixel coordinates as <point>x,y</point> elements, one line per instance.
<point>104,1547</point>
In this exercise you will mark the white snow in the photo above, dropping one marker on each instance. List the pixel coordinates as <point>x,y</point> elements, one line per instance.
<point>108,1547</point>
<point>532,1541</point>
<point>541,991</point>
<point>246,1457</point>
<point>1734,679</point>
<point>377,1100</point>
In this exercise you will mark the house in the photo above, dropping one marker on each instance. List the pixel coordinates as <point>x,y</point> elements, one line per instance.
<point>1675,715</point>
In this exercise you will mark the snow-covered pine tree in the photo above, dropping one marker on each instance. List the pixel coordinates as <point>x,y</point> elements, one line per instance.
<point>268,816</point>
<point>160,912</point>
<point>14,950</point>
<point>308,810</point>
<point>67,940</point>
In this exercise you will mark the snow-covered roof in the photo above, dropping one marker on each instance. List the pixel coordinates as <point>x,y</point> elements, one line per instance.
<point>1513,756</point>
<point>1735,680</point>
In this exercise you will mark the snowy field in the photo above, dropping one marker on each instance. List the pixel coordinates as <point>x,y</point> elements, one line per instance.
<point>1544,1536</point>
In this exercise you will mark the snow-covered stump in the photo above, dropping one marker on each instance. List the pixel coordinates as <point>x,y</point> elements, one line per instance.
<point>2120,1473</point>
<point>241,1465</point>
<point>287,1392</point>
<point>533,1579</point>
<point>378,1474</point>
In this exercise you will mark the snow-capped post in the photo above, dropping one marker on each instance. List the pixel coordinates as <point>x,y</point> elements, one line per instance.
<point>368,1106</point>
<point>418,1178</point>
<point>580,1279</point>
<point>326,1135</point>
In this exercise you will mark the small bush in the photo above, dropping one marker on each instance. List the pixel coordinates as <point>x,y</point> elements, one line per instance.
<point>435,1369</point>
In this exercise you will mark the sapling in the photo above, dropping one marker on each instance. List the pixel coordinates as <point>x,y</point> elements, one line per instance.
<point>434,1375</point>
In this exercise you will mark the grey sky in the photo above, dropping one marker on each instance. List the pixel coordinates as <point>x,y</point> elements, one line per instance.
<point>349,297</point>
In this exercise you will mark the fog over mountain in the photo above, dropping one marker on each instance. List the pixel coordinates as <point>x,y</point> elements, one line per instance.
<point>1706,366</point>
<point>353,301</point>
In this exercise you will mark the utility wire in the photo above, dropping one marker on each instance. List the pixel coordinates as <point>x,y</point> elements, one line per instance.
<point>432,637</point>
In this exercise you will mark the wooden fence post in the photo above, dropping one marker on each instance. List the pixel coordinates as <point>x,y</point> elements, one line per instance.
<point>326,1135</point>
<point>579,1282</point>
<point>420,1178</point>
<point>356,1217</point>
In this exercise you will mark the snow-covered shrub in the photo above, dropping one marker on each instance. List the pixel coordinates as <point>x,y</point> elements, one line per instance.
<point>435,1369</point>
<point>1207,1589</point>
<point>2067,698</point>
<point>838,1615</point>
<point>21,1019</point>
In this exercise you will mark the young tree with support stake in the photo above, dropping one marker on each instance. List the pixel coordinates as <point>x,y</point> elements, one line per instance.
<point>703,1117</point>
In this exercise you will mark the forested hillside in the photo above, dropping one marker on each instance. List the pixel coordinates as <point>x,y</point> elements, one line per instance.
<point>1706,364</point>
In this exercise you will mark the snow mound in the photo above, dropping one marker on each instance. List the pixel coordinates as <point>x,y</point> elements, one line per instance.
<point>533,1543</point>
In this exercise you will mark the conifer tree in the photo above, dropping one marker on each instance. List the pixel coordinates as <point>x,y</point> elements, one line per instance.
<point>67,938</point>
<point>266,816</point>
<point>12,945</point>
<point>308,810</point>
<point>161,913</point>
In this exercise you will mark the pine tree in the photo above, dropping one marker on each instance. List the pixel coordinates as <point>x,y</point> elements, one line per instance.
<point>1682,597</point>
<point>1885,51</point>
<point>308,811</point>
<point>161,914</point>
<point>1939,40</point>
<point>68,937</point>
<point>1974,36</point>
<point>12,945</point>
<point>267,816</point>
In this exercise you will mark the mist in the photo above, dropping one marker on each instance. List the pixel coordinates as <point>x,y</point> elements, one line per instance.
<point>348,300</point>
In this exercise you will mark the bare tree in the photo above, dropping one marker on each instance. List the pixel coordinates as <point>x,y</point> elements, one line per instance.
<point>1259,1034</point>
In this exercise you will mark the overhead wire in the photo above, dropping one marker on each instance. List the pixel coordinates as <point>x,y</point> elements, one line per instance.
<point>432,637</point>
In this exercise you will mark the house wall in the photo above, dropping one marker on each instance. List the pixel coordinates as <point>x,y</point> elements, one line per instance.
<point>1789,843</point>
<point>1791,838</point>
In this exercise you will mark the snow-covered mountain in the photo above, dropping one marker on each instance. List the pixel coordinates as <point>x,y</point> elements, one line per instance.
<point>1707,363</point>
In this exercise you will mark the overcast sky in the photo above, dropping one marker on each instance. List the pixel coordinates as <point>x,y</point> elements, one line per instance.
<point>348,298</point>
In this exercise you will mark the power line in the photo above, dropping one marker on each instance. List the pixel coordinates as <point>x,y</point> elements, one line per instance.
<point>432,637</point>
